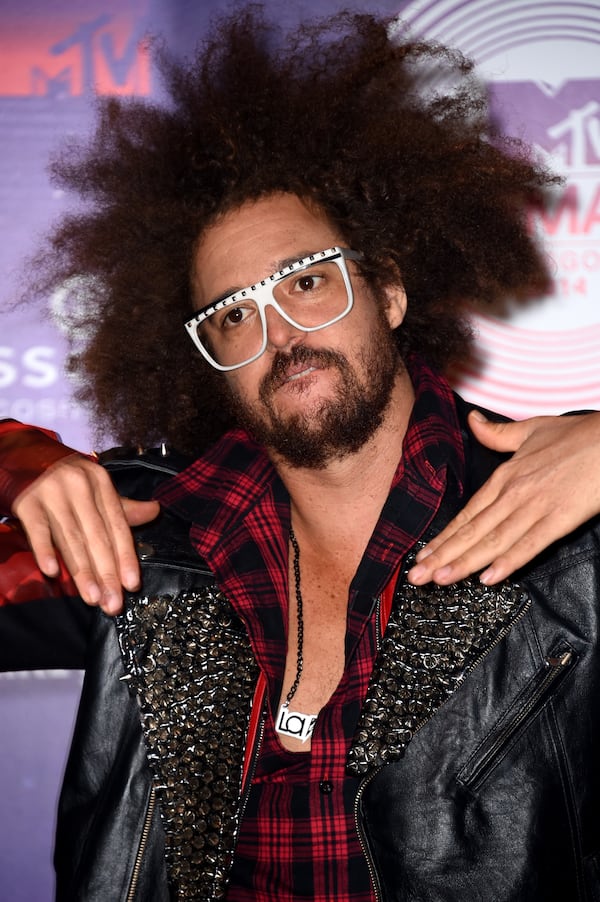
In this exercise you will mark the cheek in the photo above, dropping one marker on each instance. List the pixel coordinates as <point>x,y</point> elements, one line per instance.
<point>243,383</point>
<point>231,385</point>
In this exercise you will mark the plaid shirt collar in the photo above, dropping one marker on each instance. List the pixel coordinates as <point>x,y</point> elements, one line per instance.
<point>219,490</point>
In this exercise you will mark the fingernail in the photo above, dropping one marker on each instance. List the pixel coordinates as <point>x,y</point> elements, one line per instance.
<point>422,554</point>
<point>415,573</point>
<point>111,602</point>
<point>50,567</point>
<point>487,577</point>
<point>477,415</point>
<point>442,573</point>
<point>94,595</point>
<point>131,580</point>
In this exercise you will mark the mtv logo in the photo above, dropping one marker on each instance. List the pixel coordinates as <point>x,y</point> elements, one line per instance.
<point>76,52</point>
<point>564,122</point>
<point>54,86</point>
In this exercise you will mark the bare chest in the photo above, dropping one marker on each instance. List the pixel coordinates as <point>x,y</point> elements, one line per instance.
<point>317,625</point>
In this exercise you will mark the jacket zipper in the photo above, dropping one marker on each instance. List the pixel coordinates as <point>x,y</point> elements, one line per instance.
<point>361,837</point>
<point>481,657</point>
<point>135,876</point>
<point>129,464</point>
<point>250,772</point>
<point>555,665</point>
<point>252,768</point>
<point>359,830</point>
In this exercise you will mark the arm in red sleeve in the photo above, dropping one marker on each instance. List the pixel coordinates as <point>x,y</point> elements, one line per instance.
<point>26,452</point>
<point>69,509</point>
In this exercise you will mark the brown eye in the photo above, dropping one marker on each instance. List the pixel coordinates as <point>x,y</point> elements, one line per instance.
<point>306,283</point>
<point>234,316</point>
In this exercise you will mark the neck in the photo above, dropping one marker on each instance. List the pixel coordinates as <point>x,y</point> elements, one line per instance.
<point>343,500</point>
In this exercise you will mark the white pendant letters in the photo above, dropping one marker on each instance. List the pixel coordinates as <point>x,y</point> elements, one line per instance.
<point>294,723</point>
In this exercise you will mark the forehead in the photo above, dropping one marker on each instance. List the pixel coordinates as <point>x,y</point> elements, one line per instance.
<point>249,243</point>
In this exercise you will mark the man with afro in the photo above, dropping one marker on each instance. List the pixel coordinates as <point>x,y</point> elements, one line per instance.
<point>273,269</point>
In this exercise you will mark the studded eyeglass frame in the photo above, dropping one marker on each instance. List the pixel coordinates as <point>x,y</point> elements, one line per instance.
<point>262,294</point>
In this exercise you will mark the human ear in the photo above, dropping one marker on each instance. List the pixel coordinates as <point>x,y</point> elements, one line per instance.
<point>395,304</point>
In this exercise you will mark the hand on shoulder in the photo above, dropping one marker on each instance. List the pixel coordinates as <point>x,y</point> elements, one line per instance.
<point>550,486</point>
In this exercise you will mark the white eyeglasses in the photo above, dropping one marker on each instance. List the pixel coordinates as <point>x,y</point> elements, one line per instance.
<point>309,294</point>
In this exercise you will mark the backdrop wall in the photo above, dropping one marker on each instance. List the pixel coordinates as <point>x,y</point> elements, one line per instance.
<point>543,67</point>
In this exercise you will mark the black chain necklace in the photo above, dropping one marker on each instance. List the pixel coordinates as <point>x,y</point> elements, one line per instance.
<point>294,723</point>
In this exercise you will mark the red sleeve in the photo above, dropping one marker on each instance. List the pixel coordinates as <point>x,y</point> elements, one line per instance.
<point>43,622</point>
<point>25,453</point>
<point>20,578</point>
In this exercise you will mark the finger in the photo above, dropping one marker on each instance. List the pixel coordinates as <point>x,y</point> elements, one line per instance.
<point>80,529</point>
<point>457,558</point>
<point>452,565</point>
<point>115,559</point>
<point>503,551</point>
<point>495,527</point>
<point>510,499</point>
<point>483,500</point>
<point>40,541</point>
<point>117,515</point>
<point>538,537</point>
<point>76,511</point>
<point>139,512</point>
<point>46,537</point>
<point>89,556</point>
<point>475,543</point>
<point>459,524</point>
<point>502,436</point>
<point>130,513</point>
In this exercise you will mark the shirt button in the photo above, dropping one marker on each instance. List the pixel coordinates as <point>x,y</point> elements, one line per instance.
<point>326,787</point>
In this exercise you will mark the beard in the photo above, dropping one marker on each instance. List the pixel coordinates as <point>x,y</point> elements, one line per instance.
<point>335,427</point>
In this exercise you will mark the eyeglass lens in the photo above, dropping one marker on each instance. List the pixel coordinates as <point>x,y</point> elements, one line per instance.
<point>311,298</point>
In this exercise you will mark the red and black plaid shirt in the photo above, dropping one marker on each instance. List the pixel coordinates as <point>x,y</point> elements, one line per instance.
<point>298,837</point>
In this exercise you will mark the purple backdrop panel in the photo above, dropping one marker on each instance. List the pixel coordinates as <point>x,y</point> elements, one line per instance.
<point>37,715</point>
<point>544,69</point>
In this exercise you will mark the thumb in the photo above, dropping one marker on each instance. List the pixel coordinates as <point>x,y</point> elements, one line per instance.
<point>138,512</point>
<point>499,436</point>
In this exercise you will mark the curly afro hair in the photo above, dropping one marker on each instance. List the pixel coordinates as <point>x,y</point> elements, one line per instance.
<point>389,136</point>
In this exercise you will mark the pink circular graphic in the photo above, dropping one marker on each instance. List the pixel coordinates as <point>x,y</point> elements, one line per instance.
<point>483,29</point>
<point>543,65</point>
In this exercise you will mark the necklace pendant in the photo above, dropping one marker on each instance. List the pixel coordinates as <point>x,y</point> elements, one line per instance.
<point>294,723</point>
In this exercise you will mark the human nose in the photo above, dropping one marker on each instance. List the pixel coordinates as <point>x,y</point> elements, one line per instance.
<point>280,333</point>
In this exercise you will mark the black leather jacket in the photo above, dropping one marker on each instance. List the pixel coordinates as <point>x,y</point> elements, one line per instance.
<point>478,742</point>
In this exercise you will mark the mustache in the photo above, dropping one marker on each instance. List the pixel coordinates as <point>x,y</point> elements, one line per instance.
<point>283,361</point>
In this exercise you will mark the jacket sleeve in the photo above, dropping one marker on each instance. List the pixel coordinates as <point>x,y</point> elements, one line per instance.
<point>43,622</point>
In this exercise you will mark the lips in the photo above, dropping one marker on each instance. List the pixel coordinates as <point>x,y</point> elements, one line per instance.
<point>301,361</point>
<point>290,367</point>
<point>296,372</point>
